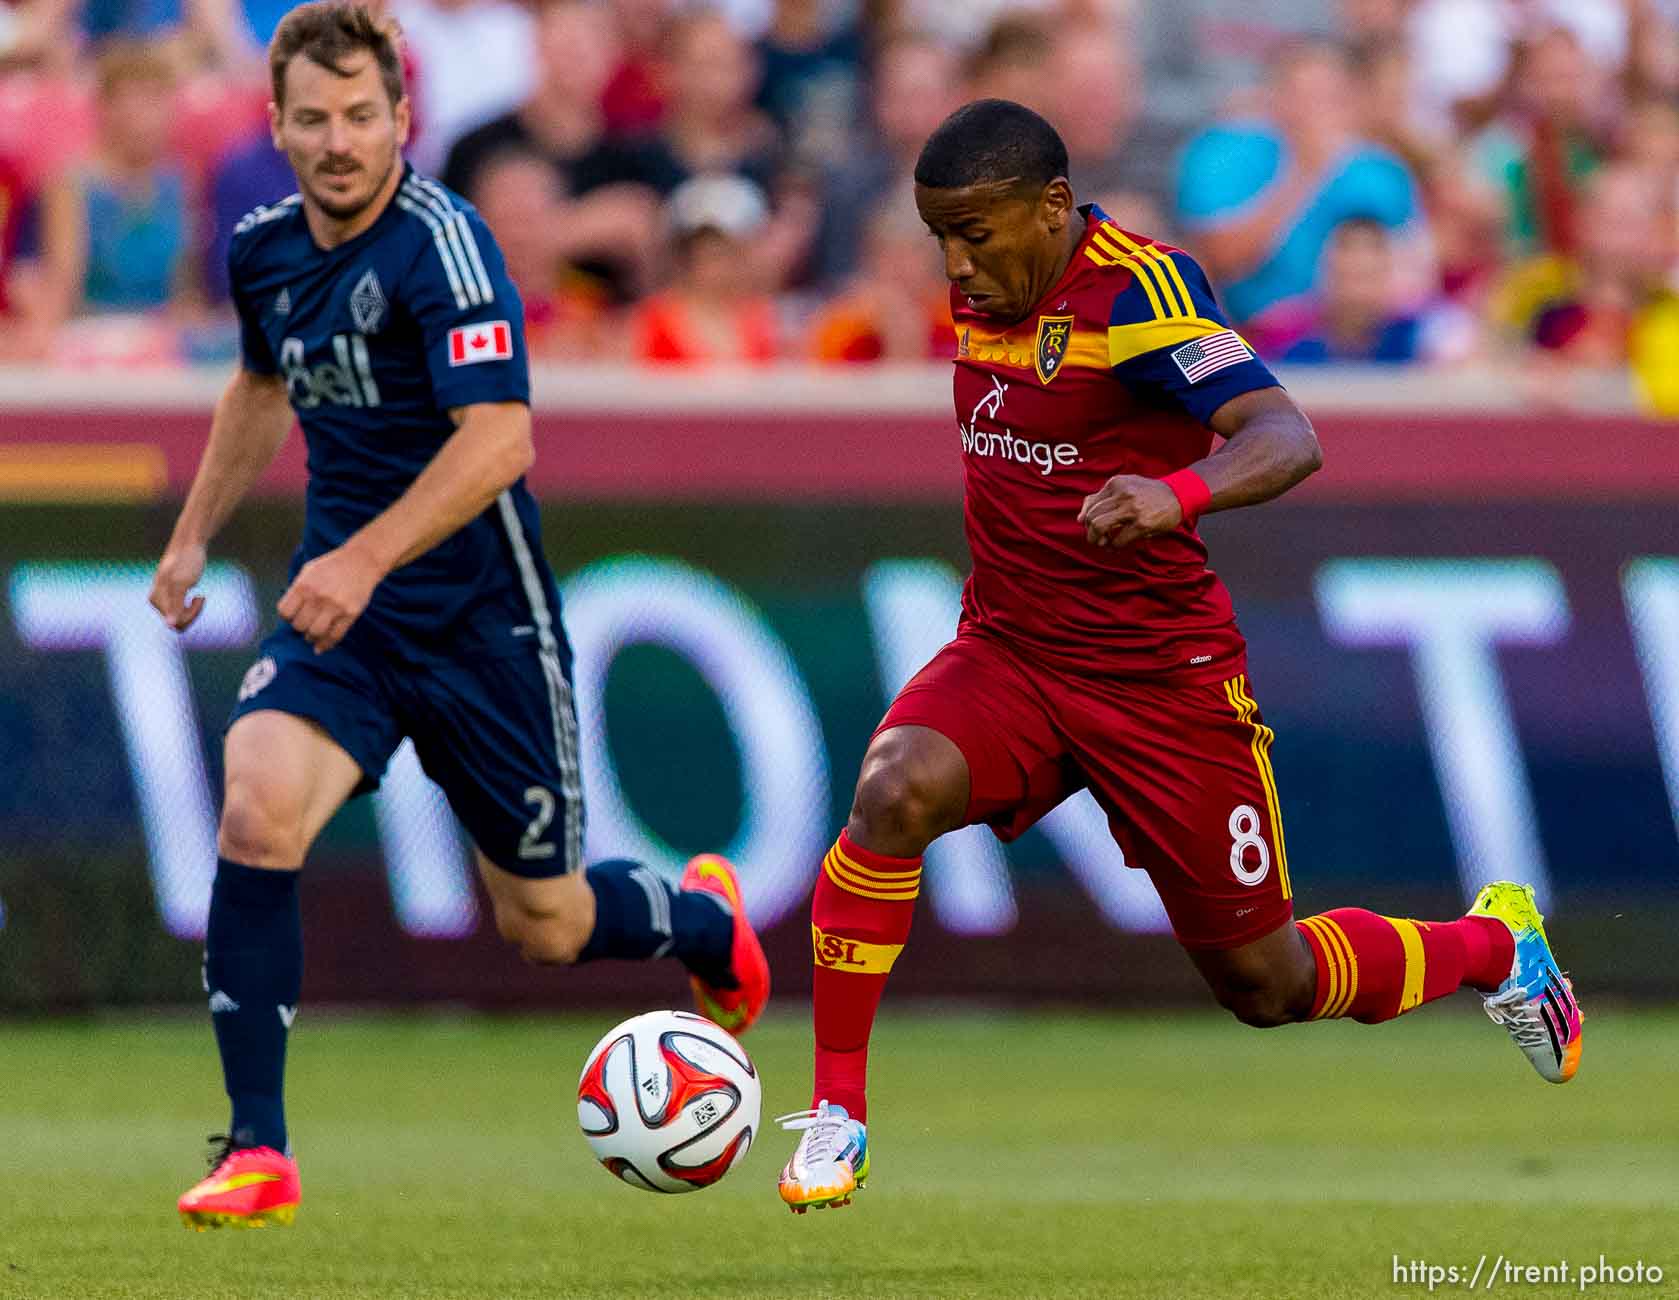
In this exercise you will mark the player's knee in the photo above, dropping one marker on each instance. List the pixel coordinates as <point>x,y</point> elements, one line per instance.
<point>260,825</point>
<point>542,937</point>
<point>900,804</point>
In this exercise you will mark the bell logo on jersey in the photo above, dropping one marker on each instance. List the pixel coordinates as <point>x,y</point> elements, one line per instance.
<point>490,341</point>
<point>345,381</point>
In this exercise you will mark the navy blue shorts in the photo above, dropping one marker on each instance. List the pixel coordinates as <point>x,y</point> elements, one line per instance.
<point>497,733</point>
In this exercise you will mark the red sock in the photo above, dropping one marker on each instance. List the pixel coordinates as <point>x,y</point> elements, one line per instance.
<point>859,921</point>
<point>1373,968</point>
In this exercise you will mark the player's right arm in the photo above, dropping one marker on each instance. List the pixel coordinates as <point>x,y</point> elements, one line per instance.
<point>251,421</point>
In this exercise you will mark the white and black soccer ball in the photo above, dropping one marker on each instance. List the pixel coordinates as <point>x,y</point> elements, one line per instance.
<point>669,1101</point>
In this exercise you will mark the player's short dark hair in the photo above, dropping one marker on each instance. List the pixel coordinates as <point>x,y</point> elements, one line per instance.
<point>326,32</point>
<point>990,141</point>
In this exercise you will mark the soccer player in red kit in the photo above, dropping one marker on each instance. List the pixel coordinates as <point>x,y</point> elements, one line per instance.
<point>1094,369</point>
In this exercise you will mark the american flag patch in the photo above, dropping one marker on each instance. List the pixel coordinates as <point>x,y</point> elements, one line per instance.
<point>1201,357</point>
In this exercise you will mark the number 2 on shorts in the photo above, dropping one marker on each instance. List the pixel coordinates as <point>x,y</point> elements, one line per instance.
<point>528,842</point>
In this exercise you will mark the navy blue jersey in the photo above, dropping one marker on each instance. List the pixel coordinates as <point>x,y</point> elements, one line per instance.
<point>378,339</point>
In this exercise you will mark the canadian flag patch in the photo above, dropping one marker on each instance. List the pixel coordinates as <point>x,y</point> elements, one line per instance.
<point>492,340</point>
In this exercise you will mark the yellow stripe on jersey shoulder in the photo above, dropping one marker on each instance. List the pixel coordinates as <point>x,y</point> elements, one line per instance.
<point>1166,266</point>
<point>1154,270</point>
<point>1146,274</point>
<point>1127,341</point>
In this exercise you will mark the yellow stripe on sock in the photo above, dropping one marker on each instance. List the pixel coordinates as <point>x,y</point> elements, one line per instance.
<point>1416,963</point>
<point>882,873</point>
<point>1331,964</point>
<point>1339,936</point>
<point>1338,957</point>
<point>853,956</point>
<point>867,887</point>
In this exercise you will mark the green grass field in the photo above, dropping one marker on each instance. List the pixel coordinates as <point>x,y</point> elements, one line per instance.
<point>1017,1155</point>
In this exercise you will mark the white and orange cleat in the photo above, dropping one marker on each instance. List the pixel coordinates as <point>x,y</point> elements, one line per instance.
<point>830,1162</point>
<point>735,1009</point>
<point>248,1187</point>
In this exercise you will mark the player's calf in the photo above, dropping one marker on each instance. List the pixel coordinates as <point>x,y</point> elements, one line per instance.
<point>1372,967</point>
<point>543,940</point>
<point>1265,983</point>
<point>549,919</point>
<point>1261,1007</point>
<point>613,909</point>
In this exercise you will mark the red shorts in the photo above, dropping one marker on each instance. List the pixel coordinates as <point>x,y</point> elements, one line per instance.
<point>1182,771</point>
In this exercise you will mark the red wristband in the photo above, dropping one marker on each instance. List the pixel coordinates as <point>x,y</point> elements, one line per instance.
<point>1192,492</point>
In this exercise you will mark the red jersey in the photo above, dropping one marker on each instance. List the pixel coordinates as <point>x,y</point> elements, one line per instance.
<point>1115,371</point>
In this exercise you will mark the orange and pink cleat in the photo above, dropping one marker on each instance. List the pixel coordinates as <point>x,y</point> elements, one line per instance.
<point>735,1009</point>
<point>249,1187</point>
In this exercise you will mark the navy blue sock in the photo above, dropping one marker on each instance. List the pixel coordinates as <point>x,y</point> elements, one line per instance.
<point>253,971</point>
<point>640,916</point>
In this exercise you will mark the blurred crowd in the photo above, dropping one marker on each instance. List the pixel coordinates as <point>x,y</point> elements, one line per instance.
<point>1425,182</point>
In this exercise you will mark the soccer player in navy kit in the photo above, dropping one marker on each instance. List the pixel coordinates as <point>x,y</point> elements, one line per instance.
<point>375,306</point>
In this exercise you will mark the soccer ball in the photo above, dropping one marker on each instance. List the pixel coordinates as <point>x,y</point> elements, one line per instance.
<point>669,1102</point>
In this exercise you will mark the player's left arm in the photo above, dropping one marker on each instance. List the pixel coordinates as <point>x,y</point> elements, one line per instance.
<point>490,448</point>
<point>471,325</point>
<point>1269,446</point>
<point>1169,342</point>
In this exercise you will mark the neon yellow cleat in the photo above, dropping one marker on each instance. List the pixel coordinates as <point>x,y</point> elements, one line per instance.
<point>1536,1003</point>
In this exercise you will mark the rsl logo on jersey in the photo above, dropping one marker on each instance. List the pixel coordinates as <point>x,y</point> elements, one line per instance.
<point>1054,335</point>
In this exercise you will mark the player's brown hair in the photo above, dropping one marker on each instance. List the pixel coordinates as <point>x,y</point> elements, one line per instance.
<point>326,32</point>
